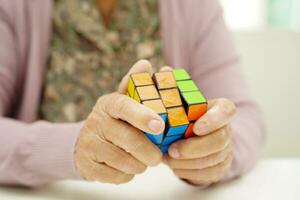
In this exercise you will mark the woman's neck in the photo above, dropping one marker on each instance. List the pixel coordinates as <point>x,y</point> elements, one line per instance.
<point>106,8</point>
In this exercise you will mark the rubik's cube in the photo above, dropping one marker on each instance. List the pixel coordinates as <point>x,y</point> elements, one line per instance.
<point>175,97</point>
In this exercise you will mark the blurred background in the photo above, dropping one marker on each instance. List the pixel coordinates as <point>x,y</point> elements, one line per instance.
<point>267,35</point>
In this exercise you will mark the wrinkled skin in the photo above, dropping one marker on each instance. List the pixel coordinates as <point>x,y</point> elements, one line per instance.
<point>204,159</point>
<point>112,148</point>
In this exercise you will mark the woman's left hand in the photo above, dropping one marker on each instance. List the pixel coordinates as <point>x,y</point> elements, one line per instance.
<point>204,159</point>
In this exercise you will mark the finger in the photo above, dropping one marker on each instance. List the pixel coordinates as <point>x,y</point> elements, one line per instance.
<point>220,112</point>
<point>198,163</point>
<point>166,69</point>
<point>122,107</point>
<point>94,171</point>
<point>105,152</point>
<point>132,141</point>
<point>139,67</point>
<point>207,175</point>
<point>198,147</point>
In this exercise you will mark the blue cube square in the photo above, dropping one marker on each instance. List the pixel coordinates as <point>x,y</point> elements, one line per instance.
<point>176,130</point>
<point>170,140</point>
<point>155,139</point>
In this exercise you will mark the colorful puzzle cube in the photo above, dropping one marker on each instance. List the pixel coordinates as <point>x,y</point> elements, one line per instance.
<point>175,97</point>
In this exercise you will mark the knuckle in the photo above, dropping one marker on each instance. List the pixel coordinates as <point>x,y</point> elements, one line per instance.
<point>119,104</point>
<point>205,161</point>
<point>128,136</point>
<point>222,139</point>
<point>101,101</point>
<point>222,156</point>
<point>87,144</point>
<point>102,104</point>
<point>112,103</point>
<point>230,149</point>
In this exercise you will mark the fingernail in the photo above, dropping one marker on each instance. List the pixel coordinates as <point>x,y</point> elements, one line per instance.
<point>201,128</point>
<point>155,125</point>
<point>173,151</point>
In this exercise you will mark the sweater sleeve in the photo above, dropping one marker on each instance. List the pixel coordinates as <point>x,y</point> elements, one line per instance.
<point>30,154</point>
<point>215,66</point>
<point>36,154</point>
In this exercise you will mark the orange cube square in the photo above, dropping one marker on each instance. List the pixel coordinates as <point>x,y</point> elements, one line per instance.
<point>196,111</point>
<point>165,80</point>
<point>141,79</point>
<point>146,93</point>
<point>170,97</point>
<point>177,116</point>
<point>156,105</point>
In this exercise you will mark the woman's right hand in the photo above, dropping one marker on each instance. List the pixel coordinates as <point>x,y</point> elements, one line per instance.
<point>112,147</point>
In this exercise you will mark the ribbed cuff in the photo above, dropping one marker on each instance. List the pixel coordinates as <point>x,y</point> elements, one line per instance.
<point>52,151</point>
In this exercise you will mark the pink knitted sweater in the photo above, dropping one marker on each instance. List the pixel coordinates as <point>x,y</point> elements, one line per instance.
<point>33,152</point>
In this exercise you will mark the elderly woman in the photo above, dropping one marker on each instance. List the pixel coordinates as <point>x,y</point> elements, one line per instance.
<point>65,115</point>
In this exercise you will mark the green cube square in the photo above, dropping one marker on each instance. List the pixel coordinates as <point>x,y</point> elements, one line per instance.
<point>187,86</point>
<point>195,97</point>
<point>181,74</point>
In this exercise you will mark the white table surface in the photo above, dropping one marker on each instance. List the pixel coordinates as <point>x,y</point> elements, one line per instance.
<point>271,179</point>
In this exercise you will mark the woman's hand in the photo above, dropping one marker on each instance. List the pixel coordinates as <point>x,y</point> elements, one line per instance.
<point>204,159</point>
<point>112,147</point>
